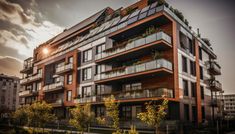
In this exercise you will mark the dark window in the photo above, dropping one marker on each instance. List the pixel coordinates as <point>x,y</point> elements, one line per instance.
<point>4,83</point>
<point>86,91</point>
<point>86,73</point>
<point>126,112</point>
<point>200,53</point>
<point>203,113</point>
<point>202,92</point>
<point>87,55</point>
<point>100,69</point>
<point>69,79</point>
<point>192,68</point>
<point>194,113</point>
<point>184,64</point>
<point>185,87</point>
<point>100,89</point>
<point>184,41</point>
<point>201,73</point>
<point>69,95</point>
<point>100,111</point>
<point>186,112</point>
<point>191,47</point>
<point>193,89</point>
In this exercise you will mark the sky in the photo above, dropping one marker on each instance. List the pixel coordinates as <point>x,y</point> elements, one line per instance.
<point>25,24</point>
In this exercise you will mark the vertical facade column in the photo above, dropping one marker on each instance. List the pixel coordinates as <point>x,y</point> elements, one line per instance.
<point>198,88</point>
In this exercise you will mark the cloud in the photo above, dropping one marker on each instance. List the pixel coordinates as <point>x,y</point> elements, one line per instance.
<point>10,65</point>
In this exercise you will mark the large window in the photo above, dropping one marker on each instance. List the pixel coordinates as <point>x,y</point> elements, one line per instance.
<point>200,53</point>
<point>100,89</point>
<point>202,92</point>
<point>86,74</point>
<point>86,91</point>
<point>193,89</point>
<point>184,64</point>
<point>100,69</point>
<point>186,112</point>
<point>185,87</point>
<point>38,86</point>
<point>184,41</point>
<point>133,86</point>
<point>100,49</point>
<point>70,59</point>
<point>87,55</point>
<point>126,112</point>
<point>100,111</point>
<point>191,47</point>
<point>201,73</point>
<point>192,68</point>
<point>69,95</point>
<point>69,79</point>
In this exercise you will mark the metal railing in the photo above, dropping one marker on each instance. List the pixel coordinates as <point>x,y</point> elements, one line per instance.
<point>64,68</point>
<point>135,44</point>
<point>53,86</point>
<point>26,92</point>
<point>31,78</point>
<point>214,66</point>
<point>56,102</point>
<point>86,99</point>
<point>135,68</point>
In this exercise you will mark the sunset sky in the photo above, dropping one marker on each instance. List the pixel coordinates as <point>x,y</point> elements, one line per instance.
<point>24,24</point>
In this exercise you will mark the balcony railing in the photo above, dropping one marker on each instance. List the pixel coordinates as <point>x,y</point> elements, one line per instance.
<point>214,68</point>
<point>31,78</point>
<point>134,94</point>
<point>215,85</point>
<point>135,44</point>
<point>53,87</point>
<point>56,102</point>
<point>135,69</point>
<point>86,100</point>
<point>27,93</point>
<point>64,68</point>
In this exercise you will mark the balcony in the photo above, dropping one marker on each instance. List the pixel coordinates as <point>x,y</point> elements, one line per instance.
<point>26,93</point>
<point>214,68</point>
<point>143,94</point>
<point>30,79</point>
<point>150,67</point>
<point>215,103</point>
<point>91,99</point>
<point>161,39</point>
<point>56,102</point>
<point>215,85</point>
<point>53,87</point>
<point>64,68</point>
<point>28,66</point>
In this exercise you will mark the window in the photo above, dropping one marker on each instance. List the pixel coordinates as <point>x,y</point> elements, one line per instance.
<point>100,89</point>
<point>192,68</point>
<point>100,69</point>
<point>138,110</point>
<point>186,112</point>
<point>203,112</point>
<point>133,86</point>
<point>38,86</point>
<point>191,47</point>
<point>200,53</point>
<point>184,64</point>
<point>100,111</point>
<point>194,113</point>
<point>86,91</point>
<point>69,79</point>
<point>202,92</point>
<point>193,89</point>
<point>126,112</point>
<point>69,95</point>
<point>100,49</point>
<point>184,41</point>
<point>201,73</point>
<point>87,55</point>
<point>185,87</point>
<point>70,59</point>
<point>86,74</point>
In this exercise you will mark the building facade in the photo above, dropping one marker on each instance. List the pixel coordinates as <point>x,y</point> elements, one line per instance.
<point>229,106</point>
<point>138,53</point>
<point>9,88</point>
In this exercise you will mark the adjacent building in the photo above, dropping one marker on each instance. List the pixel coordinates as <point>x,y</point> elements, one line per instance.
<point>9,88</point>
<point>229,106</point>
<point>138,53</point>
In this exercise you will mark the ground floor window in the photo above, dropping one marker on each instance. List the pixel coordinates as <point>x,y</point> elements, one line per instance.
<point>126,112</point>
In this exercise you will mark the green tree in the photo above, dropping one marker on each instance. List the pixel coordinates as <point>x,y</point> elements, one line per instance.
<point>154,114</point>
<point>82,116</point>
<point>20,116</point>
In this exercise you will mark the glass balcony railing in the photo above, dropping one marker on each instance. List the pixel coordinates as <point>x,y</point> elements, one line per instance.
<point>56,102</point>
<point>31,78</point>
<point>135,69</point>
<point>53,86</point>
<point>135,44</point>
<point>215,68</point>
<point>86,100</point>
<point>27,93</point>
<point>134,94</point>
<point>64,68</point>
<point>215,85</point>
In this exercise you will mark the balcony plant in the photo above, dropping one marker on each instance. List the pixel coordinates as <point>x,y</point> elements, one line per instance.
<point>154,114</point>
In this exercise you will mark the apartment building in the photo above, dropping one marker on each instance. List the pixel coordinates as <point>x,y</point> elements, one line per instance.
<point>229,106</point>
<point>9,88</point>
<point>138,53</point>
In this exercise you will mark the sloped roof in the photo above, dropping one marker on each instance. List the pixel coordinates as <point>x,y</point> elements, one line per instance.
<point>78,26</point>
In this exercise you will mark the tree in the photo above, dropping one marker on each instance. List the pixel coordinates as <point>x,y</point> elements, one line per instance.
<point>81,117</point>
<point>154,114</point>
<point>20,116</point>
